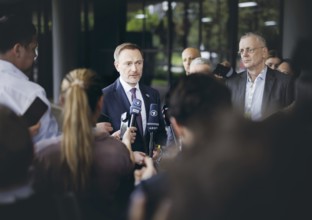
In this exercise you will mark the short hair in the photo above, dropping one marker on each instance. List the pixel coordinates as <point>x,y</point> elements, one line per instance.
<point>196,98</point>
<point>258,36</point>
<point>126,46</point>
<point>15,30</point>
<point>200,60</point>
<point>16,148</point>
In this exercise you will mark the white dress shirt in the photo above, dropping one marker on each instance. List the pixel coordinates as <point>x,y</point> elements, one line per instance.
<point>138,94</point>
<point>17,92</point>
<point>254,96</point>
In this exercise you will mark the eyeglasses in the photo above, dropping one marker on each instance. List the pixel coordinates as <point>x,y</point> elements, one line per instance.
<point>248,50</point>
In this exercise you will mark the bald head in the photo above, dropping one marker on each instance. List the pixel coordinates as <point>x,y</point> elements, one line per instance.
<point>188,55</point>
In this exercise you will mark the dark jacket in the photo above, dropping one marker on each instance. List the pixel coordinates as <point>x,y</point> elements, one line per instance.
<point>278,91</point>
<point>116,103</point>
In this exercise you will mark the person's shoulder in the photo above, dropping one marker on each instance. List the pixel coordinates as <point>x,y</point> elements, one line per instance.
<point>234,78</point>
<point>281,77</point>
<point>47,146</point>
<point>111,87</point>
<point>109,144</point>
<point>148,89</point>
<point>114,150</point>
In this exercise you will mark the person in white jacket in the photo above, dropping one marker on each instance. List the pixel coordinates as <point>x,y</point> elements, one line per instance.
<point>18,45</point>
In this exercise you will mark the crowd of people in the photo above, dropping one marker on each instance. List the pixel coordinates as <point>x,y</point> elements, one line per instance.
<point>225,145</point>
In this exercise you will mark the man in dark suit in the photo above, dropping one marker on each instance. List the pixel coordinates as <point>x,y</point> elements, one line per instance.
<point>118,98</point>
<point>258,91</point>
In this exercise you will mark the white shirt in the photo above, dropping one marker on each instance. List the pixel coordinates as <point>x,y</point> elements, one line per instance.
<point>17,92</point>
<point>138,94</point>
<point>254,96</point>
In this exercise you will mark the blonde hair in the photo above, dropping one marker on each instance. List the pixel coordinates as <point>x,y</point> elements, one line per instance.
<point>126,46</point>
<point>81,89</point>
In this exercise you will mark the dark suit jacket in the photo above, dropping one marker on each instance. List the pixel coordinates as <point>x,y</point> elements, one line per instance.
<point>278,91</point>
<point>116,103</point>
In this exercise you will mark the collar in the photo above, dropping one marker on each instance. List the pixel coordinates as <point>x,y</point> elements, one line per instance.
<point>261,75</point>
<point>126,85</point>
<point>9,68</point>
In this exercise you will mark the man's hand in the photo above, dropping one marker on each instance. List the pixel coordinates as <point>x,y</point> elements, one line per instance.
<point>33,130</point>
<point>104,127</point>
<point>146,172</point>
<point>139,157</point>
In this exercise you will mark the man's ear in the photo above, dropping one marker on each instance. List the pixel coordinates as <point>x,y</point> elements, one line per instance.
<point>17,49</point>
<point>116,64</point>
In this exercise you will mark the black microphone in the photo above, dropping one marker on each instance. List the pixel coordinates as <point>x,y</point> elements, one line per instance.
<point>152,125</point>
<point>135,109</point>
<point>170,132</point>
<point>166,115</point>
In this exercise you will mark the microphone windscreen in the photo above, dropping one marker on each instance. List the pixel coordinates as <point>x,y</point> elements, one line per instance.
<point>153,120</point>
<point>135,107</point>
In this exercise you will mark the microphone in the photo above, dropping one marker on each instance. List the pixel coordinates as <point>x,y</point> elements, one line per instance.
<point>166,115</point>
<point>170,132</point>
<point>152,125</point>
<point>135,109</point>
<point>123,124</point>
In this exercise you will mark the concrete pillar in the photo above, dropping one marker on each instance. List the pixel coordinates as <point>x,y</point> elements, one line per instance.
<point>65,40</point>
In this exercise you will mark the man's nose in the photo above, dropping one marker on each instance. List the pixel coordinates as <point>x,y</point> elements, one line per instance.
<point>133,67</point>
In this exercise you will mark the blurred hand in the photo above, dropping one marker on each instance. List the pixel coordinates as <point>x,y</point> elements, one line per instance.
<point>33,130</point>
<point>145,172</point>
<point>116,135</point>
<point>156,153</point>
<point>104,127</point>
<point>139,157</point>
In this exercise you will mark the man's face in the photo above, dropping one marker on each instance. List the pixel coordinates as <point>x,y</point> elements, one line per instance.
<point>27,56</point>
<point>252,52</point>
<point>187,56</point>
<point>130,66</point>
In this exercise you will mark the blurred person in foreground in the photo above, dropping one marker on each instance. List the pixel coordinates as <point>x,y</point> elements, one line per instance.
<point>196,104</point>
<point>18,200</point>
<point>18,45</point>
<point>92,164</point>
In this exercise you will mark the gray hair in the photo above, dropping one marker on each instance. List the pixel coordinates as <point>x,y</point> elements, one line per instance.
<point>258,36</point>
<point>201,60</point>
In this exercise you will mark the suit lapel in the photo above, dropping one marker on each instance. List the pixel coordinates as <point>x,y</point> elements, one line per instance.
<point>146,99</point>
<point>242,91</point>
<point>269,81</point>
<point>121,96</point>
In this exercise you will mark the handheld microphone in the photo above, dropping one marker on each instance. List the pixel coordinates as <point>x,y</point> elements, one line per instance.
<point>170,132</point>
<point>152,125</point>
<point>166,115</point>
<point>153,122</point>
<point>123,124</point>
<point>135,109</point>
